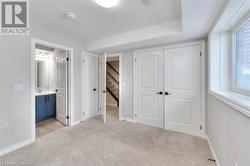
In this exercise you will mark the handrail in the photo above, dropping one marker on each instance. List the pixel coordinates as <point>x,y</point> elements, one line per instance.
<point>110,75</point>
<point>112,68</point>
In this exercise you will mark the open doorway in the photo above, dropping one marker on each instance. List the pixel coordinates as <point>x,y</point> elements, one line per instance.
<point>112,87</point>
<point>50,88</point>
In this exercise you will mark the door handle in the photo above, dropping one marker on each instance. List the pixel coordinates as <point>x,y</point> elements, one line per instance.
<point>94,89</point>
<point>104,91</point>
<point>167,93</point>
<point>159,93</point>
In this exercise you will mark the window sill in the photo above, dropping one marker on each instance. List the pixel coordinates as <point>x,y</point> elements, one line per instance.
<point>237,101</point>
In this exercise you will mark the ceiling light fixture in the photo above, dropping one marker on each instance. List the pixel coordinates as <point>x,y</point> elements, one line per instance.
<point>107,3</point>
<point>71,15</point>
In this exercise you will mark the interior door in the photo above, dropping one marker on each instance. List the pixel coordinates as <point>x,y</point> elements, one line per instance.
<point>182,89</point>
<point>102,86</point>
<point>61,86</point>
<point>91,73</point>
<point>149,88</point>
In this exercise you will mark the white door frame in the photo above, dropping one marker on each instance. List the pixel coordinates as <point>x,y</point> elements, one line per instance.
<point>203,76</point>
<point>83,87</point>
<point>70,106</point>
<point>120,81</point>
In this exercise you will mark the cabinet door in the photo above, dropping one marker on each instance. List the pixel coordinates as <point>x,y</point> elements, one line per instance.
<point>51,105</point>
<point>41,108</point>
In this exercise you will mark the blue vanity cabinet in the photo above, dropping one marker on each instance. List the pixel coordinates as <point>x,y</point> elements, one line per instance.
<point>45,107</point>
<point>51,105</point>
<point>41,108</point>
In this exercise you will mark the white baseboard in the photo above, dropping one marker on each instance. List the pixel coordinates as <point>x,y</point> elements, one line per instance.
<point>89,116</point>
<point>75,123</point>
<point>213,152</point>
<point>128,120</point>
<point>16,146</point>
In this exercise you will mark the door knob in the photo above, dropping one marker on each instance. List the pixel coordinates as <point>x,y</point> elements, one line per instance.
<point>160,93</point>
<point>94,89</point>
<point>167,93</point>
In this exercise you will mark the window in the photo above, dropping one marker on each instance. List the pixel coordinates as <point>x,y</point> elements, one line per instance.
<point>229,57</point>
<point>241,58</point>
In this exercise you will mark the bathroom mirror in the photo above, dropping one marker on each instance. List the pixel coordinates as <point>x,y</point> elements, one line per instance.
<point>42,72</point>
<point>45,69</point>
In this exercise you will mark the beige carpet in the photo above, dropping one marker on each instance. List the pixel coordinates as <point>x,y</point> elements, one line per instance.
<point>91,143</point>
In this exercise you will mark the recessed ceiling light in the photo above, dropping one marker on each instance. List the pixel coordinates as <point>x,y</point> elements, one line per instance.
<point>71,15</point>
<point>107,3</point>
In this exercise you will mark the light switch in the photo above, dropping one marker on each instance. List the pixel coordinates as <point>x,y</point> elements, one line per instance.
<point>18,87</point>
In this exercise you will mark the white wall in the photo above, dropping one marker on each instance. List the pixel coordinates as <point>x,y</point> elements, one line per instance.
<point>127,85</point>
<point>15,124</point>
<point>229,133</point>
<point>15,106</point>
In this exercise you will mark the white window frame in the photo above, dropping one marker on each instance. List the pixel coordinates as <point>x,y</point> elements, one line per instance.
<point>221,62</point>
<point>233,56</point>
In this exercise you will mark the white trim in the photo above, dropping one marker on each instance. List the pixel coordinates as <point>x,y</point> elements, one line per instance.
<point>120,85</point>
<point>135,112</point>
<point>203,87</point>
<point>74,123</point>
<point>114,55</point>
<point>185,44</point>
<point>203,75</point>
<point>89,116</point>
<point>228,99</point>
<point>128,120</point>
<point>16,146</point>
<point>233,56</point>
<point>215,157</point>
<point>35,41</point>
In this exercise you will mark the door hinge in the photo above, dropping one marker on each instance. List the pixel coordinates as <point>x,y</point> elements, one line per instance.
<point>135,115</point>
<point>200,127</point>
<point>67,59</point>
<point>100,108</point>
<point>135,59</point>
<point>200,53</point>
<point>67,117</point>
<point>83,61</point>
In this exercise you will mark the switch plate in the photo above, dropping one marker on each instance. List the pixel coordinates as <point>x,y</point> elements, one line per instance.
<point>18,87</point>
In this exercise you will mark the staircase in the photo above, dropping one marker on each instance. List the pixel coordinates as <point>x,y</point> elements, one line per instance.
<point>112,84</point>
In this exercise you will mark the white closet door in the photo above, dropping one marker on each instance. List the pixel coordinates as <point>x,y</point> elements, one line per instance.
<point>90,82</point>
<point>102,86</point>
<point>148,84</point>
<point>182,73</point>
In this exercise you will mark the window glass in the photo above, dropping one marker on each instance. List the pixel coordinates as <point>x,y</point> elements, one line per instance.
<point>242,58</point>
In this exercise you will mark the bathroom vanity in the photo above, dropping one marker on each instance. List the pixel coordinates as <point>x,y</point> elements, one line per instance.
<point>45,105</point>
